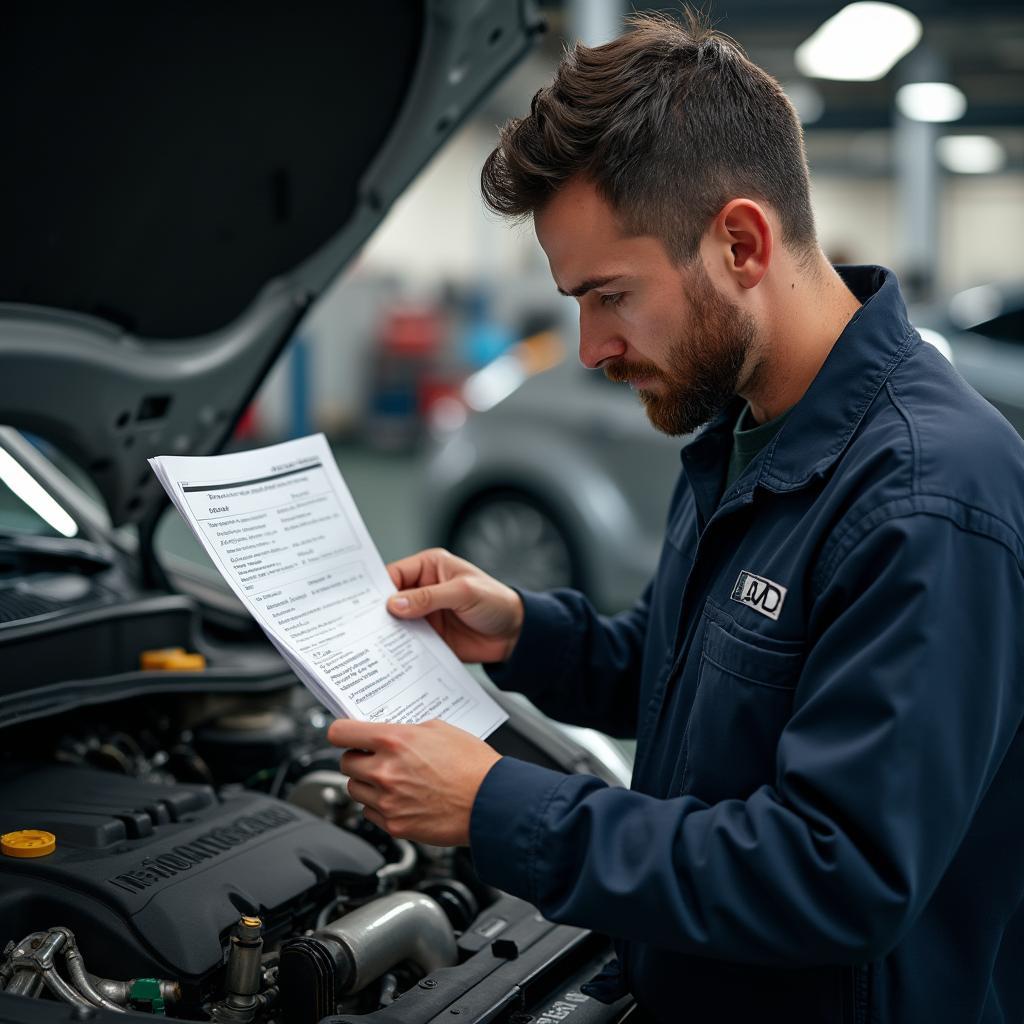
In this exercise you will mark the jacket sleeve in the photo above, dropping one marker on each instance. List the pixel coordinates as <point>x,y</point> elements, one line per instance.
<point>908,701</point>
<point>576,665</point>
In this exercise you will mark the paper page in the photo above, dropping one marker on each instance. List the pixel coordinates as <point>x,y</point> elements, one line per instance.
<point>281,526</point>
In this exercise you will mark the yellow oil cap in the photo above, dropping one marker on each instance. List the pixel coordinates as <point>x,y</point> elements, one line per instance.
<point>28,842</point>
<point>171,659</point>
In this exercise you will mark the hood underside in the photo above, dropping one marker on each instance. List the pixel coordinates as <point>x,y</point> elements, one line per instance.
<point>184,180</point>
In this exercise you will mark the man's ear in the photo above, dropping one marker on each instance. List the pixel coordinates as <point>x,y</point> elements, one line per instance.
<point>741,237</point>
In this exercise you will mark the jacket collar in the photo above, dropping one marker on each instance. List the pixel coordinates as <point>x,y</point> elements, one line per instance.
<point>821,424</point>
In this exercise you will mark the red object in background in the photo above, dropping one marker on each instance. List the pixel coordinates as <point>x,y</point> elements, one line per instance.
<point>432,389</point>
<point>248,425</point>
<point>412,332</point>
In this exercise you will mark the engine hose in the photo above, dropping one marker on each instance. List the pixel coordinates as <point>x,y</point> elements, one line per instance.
<point>388,986</point>
<point>31,966</point>
<point>36,953</point>
<point>325,915</point>
<point>76,968</point>
<point>62,990</point>
<point>402,926</point>
<point>115,991</point>
<point>120,991</point>
<point>395,870</point>
<point>24,983</point>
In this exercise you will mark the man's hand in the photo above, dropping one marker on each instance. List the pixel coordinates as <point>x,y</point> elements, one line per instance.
<point>415,781</point>
<point>477,616</point>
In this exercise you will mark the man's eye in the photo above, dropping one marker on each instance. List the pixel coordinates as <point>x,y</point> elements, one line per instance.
<point>613,298</point>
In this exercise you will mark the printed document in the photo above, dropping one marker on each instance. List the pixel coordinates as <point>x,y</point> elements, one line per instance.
<point>281,526</point>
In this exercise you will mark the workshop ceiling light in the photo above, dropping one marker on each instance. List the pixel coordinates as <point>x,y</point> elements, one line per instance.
<point>860,43</point>
<point>26,488</point>
<point>971,154</point>
<point>931,101</point>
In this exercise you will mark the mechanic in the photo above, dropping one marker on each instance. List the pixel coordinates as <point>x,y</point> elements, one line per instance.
<point>825,676</point>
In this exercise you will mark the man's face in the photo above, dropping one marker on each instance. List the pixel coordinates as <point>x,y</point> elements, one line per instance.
<point>644,319</point>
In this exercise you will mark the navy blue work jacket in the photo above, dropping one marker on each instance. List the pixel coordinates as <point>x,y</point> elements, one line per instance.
<point>826,682</point>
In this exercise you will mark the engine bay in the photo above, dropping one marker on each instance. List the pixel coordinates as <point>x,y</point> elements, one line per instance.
<point>201,859</point>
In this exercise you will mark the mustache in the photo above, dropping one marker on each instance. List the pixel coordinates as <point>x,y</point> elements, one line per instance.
<point>623,371</point>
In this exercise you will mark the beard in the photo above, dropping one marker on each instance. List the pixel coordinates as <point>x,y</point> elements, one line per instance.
<point>704,363</point>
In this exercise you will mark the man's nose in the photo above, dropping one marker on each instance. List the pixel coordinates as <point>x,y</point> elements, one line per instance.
<point>599,341</point>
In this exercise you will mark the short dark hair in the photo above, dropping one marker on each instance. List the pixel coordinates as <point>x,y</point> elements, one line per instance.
<point>670,121</point>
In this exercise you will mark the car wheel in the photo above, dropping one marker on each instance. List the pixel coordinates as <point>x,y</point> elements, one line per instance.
<point>513,537</point>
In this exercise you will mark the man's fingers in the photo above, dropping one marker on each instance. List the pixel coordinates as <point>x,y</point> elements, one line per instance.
<point>357,764</point>
<point>375,818</point>
<point>363,792</point>
<point>406,572</point>
<point>415,570</point>
<point>414,604</point>
<point>347,732</point>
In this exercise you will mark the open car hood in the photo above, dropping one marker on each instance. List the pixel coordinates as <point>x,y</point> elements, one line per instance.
<point>183,181</point>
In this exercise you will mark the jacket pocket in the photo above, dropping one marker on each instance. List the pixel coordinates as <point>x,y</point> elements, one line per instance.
<point>743,700</point>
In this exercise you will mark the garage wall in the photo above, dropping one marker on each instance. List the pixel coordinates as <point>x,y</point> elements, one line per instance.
<point>982,224</point>
<point>439,228</point>
<point>980,220</point>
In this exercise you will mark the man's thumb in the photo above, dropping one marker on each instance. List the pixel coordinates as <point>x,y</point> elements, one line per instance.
<point>417,602</point>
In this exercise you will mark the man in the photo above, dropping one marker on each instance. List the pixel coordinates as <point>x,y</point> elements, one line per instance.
<point>826,674</point>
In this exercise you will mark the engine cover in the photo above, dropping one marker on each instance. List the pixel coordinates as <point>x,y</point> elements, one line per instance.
<point>150,876</point>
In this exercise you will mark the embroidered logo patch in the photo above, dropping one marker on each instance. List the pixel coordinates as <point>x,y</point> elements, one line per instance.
<point>758,593</point>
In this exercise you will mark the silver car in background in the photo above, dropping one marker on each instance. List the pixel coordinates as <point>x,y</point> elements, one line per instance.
<point>985,328</point>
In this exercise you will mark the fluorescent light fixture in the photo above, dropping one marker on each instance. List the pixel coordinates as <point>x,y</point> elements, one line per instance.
<point>860,43</point>
<point>931,101</point>
<point>25,487</point>
<point>971,154</point>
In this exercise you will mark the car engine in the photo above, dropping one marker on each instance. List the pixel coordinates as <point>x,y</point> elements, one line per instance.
<point>221,872</point>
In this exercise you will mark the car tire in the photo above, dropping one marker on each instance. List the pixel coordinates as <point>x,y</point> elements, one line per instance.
<point>516,538</point>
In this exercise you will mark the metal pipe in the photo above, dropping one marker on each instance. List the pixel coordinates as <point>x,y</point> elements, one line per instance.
<point>61,989</point>
<point>36,953</point>
<point>394,870</point>
<point>325,915</point>
<point>917,183</point>
<point>323,793</point>
<point>242,983</point>
<point>34,967</point>
<point>388,986</point>
<point>402,926</point>
<point>120,991</point>
<point>25,983</point>
<point>76,968</point>
<point>115,991</point>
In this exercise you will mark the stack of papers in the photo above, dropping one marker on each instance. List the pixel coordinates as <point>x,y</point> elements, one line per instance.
<point>282,528</point>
